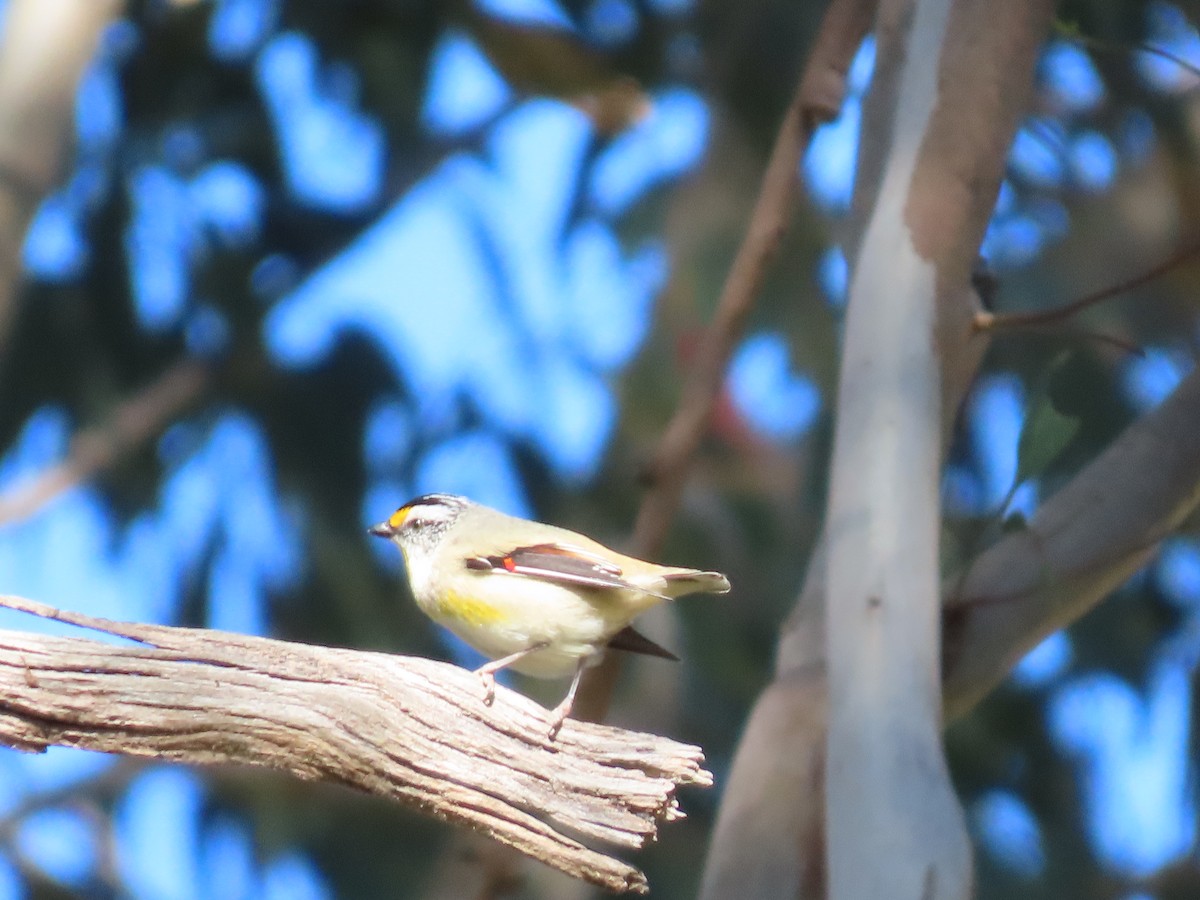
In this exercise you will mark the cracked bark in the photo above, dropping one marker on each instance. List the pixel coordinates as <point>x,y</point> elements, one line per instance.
<point>412,730</point>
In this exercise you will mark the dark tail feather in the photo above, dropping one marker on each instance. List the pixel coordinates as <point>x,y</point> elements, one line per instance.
<point>635,642</point>
<point>692,581</point>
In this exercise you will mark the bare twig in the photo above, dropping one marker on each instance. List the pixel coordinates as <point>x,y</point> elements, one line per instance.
<point>1156,51</point>
<point>987,321</point>
<point>817,99</point>
<point>102,787</point>
<point>1081,334</point>
<point>1095,43</point>
<point>88,798</point>
<point>134,421</point>
<point>410,729</point>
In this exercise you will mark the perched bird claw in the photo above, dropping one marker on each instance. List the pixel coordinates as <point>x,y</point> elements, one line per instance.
<point>559,714</point>
<point>488,680</point>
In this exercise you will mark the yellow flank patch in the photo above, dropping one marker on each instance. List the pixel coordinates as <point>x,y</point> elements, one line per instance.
<point>397,518</point>
<point>471,610</point>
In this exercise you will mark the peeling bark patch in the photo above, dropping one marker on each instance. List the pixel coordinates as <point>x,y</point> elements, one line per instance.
<point>984,81</point>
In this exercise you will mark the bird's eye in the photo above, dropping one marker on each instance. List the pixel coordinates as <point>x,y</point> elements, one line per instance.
<point>426,517</point>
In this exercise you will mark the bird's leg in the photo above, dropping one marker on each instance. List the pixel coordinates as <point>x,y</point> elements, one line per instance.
<point>487,672</point>
<point>559,714</point>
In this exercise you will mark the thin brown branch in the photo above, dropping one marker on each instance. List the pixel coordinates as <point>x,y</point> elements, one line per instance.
<point>89,799</point>
<point>413,730</point>
<point>818,99</point>
<point>98,790</point>
<point>1095,43</point>
<point>1165,54</point>
<point>986,321</point>
<point>1083,334</point>
<point>134,421</point>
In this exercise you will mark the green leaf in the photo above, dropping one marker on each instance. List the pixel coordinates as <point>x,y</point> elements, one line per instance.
<point>1046,432</point>
<point>1067,28</point>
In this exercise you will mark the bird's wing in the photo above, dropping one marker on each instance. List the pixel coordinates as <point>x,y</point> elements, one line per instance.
<point>557,562</point>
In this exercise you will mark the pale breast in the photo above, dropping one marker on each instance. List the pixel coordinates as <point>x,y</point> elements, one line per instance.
<point>500,614</point>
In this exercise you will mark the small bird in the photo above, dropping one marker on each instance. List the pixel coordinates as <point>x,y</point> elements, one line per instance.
<point>542,600</point>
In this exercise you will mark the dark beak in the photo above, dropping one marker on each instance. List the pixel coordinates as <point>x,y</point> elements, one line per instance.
<point>383,530</point>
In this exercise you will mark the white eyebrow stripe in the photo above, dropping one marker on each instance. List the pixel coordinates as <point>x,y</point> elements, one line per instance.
<point>430,513</point>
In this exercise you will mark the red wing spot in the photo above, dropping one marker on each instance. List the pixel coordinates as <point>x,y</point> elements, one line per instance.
<point>509,563</point>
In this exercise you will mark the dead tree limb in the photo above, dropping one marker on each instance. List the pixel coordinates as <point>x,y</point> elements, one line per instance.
<point>409,729</point>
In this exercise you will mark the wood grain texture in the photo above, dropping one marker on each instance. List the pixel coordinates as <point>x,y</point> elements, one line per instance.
<point>410,729</point>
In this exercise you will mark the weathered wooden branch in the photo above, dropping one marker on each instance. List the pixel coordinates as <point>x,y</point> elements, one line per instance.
<point>410,729</point>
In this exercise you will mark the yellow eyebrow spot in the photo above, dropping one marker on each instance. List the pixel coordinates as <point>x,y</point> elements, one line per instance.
<point>397,518</point>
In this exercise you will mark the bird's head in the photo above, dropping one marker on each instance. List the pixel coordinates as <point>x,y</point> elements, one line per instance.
<point>422,522</point>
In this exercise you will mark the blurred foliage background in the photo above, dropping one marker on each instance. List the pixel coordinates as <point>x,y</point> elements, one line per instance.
<point>392,247</point>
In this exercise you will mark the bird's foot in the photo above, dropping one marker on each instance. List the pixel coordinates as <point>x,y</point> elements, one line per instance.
<point>488,680</point>
<point>558,715</point>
